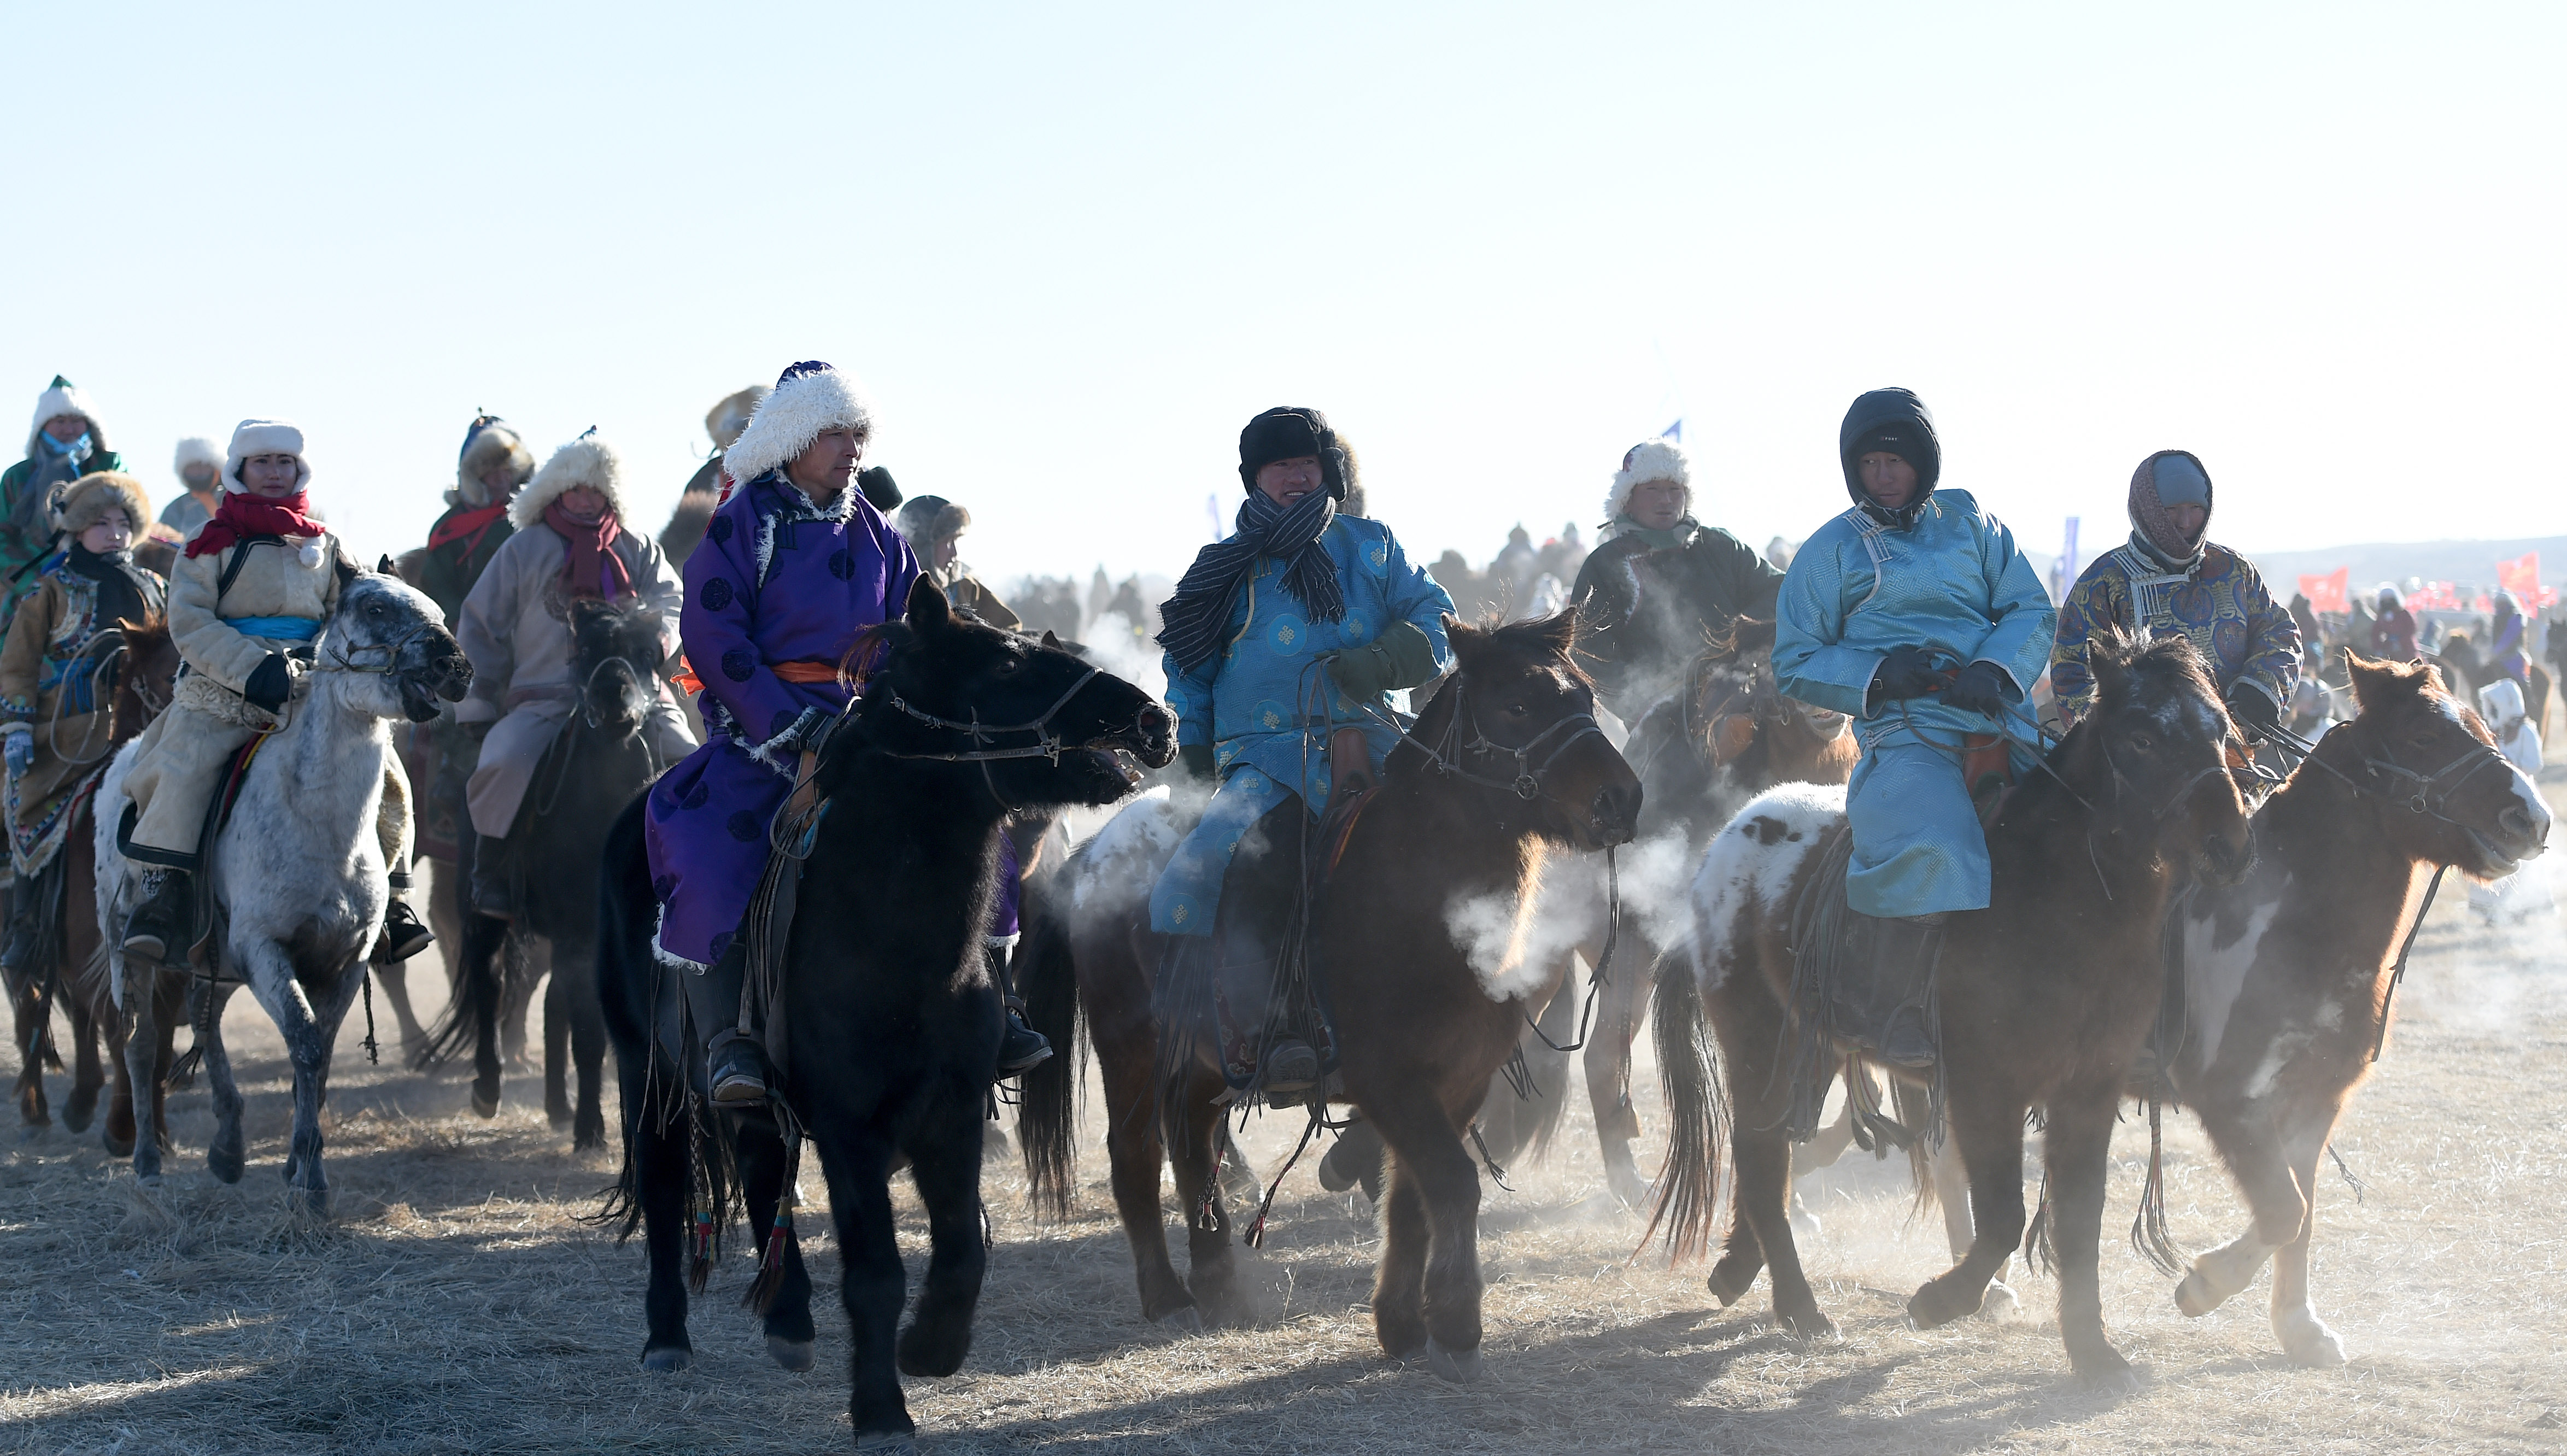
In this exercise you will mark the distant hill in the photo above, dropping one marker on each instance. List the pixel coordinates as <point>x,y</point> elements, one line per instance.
<point>2461,563</point>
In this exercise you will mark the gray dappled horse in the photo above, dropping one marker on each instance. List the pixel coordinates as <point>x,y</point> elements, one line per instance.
<point>297,876</point>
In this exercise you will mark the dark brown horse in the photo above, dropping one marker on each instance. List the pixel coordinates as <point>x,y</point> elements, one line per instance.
<point>2466,672</point>
<point>144,664</point>
<point>2289,974</point>
<point>2044,997</point>
<point>1516,767</point>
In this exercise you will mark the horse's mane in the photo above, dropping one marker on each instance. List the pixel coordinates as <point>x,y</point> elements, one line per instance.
<point>1554,636</point>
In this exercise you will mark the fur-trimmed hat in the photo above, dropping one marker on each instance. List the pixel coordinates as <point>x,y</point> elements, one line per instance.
<point>488,443</point>
<point>59,398</point>
<point>724,422</point>
<point>1289,432</point>
<point>195,450</point>
<point>808,398</point>
<point>264,438</point>
<point>1649,460</point>
<point>587,460</point>
<point>94,494</point>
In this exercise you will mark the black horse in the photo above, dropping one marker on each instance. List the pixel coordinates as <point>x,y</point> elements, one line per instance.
<point>884,1028</point>
<point>594,766</point>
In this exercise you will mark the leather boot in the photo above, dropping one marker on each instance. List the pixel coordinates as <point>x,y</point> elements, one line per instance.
<point>494,879</point>
<point>403,936</point>
<point>1021,1048</point>
<point>736,1060</point>
<point>166,918</point>
<point>1881,984</point>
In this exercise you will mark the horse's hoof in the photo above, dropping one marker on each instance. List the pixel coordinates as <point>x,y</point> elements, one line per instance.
<point>934,1351</point>
<point>1629,1189</point>
<point>667,1359</point>
<point>2195,1297</point>
<point>1460,1367</point>
<point>2106,1371</point>
<point>1728,1287</point>
<point>2307,1342</point>
<point>558,1120</point>
<point>1812,1325</point>
<point>1931,1306</point>
<point>2001,1303</point>
<point>122,1148</point>
<point>78,1110</point>
<point>35,1130</point>
<point>484,1104</point>
<point>224,1163</point>
<point>792,1355</point>
<point>1186,1320</point>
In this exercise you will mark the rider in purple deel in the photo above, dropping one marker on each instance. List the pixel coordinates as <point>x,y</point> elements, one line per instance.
<point>794,564</point>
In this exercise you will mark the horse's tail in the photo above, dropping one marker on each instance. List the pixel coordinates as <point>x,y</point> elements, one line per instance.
<point>1046,975</point>
<point>626,912</point>
<point>1697,1113</point>
<point>1914,1109</point>
<point>474,1002</point>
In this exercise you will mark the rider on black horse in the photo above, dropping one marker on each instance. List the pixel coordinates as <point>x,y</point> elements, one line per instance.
<point>1662,585</point>
<point>1284,645</point>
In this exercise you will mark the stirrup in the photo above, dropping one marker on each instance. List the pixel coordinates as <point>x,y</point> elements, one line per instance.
<point>403,934</point>
<point>1288,1067</point>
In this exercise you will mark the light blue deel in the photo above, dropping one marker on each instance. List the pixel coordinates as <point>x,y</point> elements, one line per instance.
<point>1267,704</point>
<point>1956,584</point>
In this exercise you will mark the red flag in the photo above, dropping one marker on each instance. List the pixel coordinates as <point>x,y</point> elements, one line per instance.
<point>2522,578</point>
<point>2327,593</point>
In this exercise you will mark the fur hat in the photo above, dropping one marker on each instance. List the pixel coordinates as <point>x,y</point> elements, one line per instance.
<point>1649,460</point>
<point>94,494</point>
<point>587,460</point>
<point>929,520</point>
<point>264,438</point>
<point>1289,432</point>
<point>488,443</point>
<point>808,398</point>
<point>195,450</point>
<point>724,422</point>
<point>64,398</point>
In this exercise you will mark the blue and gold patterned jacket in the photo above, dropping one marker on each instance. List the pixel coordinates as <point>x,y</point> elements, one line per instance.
<point>2221,605</point>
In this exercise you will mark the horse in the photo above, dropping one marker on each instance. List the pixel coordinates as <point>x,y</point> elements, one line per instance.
<point>140,663</point>
<point>2465,672</point>
<point>297,877</point>
<point>2289,975</point>
<point>594,765</point>
<point>1505,763</point>
<point>2043,999</point>
<point>883,1029</point>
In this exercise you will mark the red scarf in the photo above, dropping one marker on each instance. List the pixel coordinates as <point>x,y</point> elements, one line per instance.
<point>467,526</point>
<point>242,515</point>
<point>591,570</point>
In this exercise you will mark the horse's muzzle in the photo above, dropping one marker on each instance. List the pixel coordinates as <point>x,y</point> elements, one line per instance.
<point>1155,736</point>
<point>1617,812</point>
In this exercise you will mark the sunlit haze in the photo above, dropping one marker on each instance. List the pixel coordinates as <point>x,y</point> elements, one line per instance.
<point>1071,251</point>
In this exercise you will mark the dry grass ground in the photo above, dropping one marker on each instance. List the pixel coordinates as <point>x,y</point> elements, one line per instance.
<point>456,1304</point>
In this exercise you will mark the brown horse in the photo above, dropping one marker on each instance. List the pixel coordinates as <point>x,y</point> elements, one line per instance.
<point>2289,974</point>
<point>146,663</point>
<point>1504,763</point>
<point>2465,672</point>
<point>2043,999</point>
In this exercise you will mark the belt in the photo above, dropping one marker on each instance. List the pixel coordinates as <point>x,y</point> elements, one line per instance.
<point>806,671</point>
<point>281,629</point>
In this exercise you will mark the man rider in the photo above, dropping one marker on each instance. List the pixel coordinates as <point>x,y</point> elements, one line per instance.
<point>1299,586</point>
<point>1662,584</point>
<point>1914,614</point>
<point>2171,578</point>
<point>64,443</point>
<point>2393,628</point>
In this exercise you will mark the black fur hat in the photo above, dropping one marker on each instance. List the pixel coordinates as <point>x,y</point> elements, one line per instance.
<point>1287,432</point>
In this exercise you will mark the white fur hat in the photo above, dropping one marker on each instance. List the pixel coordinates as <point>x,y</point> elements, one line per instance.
<point>264,438</point>
<point>59,398</point>
<point>587,460</point>
<point>1650,459</point>
<point>810,397</point>
<point>195,450</point>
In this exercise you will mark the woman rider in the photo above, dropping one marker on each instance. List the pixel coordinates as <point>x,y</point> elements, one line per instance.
<point>1914,614</point>
<point>2171,578</point>
<point>1298,587</point>
<point>794,564</point>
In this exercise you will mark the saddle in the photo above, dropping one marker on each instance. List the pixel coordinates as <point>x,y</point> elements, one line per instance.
<point>1833,952</point>
<point>202,952</point>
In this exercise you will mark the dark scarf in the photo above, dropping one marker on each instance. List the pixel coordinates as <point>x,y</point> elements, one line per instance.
<point>590,568</point>
<point>124,594</point>
<point>1651,538</point>
<point>467,526</point>
<point>243,515</point>
<point>1192,621</point>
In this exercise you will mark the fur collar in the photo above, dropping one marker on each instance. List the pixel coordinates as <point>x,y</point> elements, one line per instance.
<point>792,506</point>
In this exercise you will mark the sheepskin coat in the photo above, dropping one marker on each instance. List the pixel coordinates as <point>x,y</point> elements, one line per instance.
<point>49,692</point>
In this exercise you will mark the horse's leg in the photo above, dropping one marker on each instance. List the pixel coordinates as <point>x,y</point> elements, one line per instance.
<point>117,1133</point>
<point>88,1076</point>
<point>760,1151</point>
<point>2304,1336</point>
<point>172,1010</point>
<point>944,1162</point>
<point>307,1030</point>
<point>1194,1157</point>
<point>1399,1281</point>
<point>1428,1143</point>
<point>557,1051</point>
<point>526,968</point>
<point>1126,1052</point>
<point>1952,1194</point>
<point>658,1156</point>
<point>27,1004</point>
<point>587,1039</point>
<point>485,948</point>
<point>1608,1063</point>
<point>142,1036</point>
<point>2253,1149</point>
<point>1986,1126</point>
<point>1748,1019</point>
<point>226,1154</point>
<point>2078,1141</point>
<point>857,1161</point>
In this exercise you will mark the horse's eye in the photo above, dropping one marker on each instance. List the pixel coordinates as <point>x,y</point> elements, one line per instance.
<point>2423,741</point>
<point>2143,742</point>
<point>1518,710</point>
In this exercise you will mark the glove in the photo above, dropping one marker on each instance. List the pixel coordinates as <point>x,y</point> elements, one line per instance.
<point>21,753</point>
<point>270,684</point>
<point>1981,688</point>
<point>1907,672</point>
<point>1196,759</point>
<point>2252,710</point>
<point>1402,657</point>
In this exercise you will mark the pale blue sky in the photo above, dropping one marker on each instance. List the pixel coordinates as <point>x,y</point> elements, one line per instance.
<point>1071,251</point>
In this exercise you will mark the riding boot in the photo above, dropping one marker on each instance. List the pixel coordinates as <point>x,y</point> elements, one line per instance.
<point>1883,984</point>
<point>166,918</point>
<point>1021,1048</point>
<point>403,936</point>
<point>493,880</point>
<point>1253,1043</point>
<point>736,1059</point>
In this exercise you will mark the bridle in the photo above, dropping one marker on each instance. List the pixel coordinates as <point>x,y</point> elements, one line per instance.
<point>1046,744</point>
<point>364,657</point>
<point>2425,794</point>
<point>1448,755</point>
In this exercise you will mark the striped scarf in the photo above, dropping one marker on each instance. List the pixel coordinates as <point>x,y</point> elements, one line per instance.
<point>1191,622</point>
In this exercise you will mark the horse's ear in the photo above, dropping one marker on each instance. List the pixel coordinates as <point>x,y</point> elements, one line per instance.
<point>1050,641</point>
<point>2107,659</point>
<point>2376,685</point>
<point>928,612</point>
<point>386,567</point>
<point>1559,630</point>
